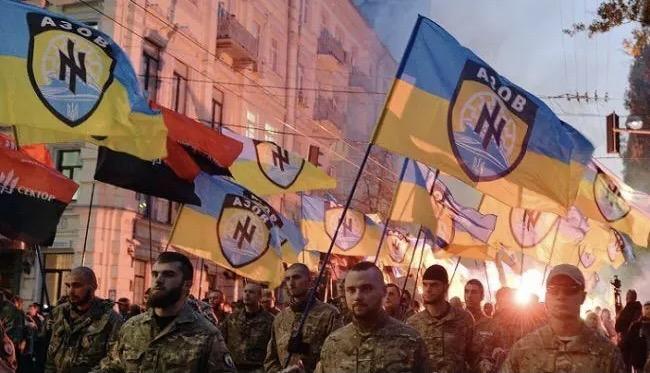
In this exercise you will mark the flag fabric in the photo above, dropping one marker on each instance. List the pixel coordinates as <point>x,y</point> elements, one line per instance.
<point>266,168</point>
<point>449,109</point>
<point>32,196</point>
<point>63,81</point>
<point>236,229</point>
<point>600,198</point>
<point>191,148</point>
<point>358,235</point>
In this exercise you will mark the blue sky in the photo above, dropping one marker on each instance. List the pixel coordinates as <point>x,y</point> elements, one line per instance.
<point>523,40</point>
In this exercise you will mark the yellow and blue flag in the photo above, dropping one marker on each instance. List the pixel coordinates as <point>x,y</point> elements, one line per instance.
<point>237,230</point>
<point>601,198</point>
<point>358,235</point>
<point>266,168</point>
<point>62,81</point>
<point>449,109</point>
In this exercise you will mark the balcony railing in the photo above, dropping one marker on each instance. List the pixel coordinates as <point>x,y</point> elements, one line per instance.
<point>329,45</point>
<point>326,109</point>
<point>359,79</point>
<point>235,40</point>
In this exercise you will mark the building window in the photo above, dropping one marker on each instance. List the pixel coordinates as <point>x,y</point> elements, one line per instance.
<point>57,268</point>
<point>270,132</point>
<point>69,164</point>
<point>251,125</point>
<point>144,203</point>
<point>150,68</point>
<point>179,89</point>
<point>162,211</point>
<point>216,121</point>
<point>139,275</point>
<point>274,55</point>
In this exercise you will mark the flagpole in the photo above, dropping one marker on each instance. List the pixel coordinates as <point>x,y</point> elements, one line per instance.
<point>550,257</point>
<point>41,269</point>
<point>408,270</point>
<point>312,294</point>
<point>487,280</point>
<point>150,211</point>
<point>200,277</point>
<point>90,211</point>
<point>390,210</point>
<point>455,269</point>
<point>435,234</point>
<point>171,234</point>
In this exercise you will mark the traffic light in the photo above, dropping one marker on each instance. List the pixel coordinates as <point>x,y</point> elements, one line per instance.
<point>613,137</point>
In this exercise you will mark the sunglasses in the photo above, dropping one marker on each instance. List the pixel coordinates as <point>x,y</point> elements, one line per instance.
<point>565,290</point>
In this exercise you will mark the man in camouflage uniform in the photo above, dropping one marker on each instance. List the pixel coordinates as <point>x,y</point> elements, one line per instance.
<point>82,329</point>
<point>170,337</point>
<point>447,330</point>
<point>373,342</point>
<point>566,344</point>
<point>392,303</point>
<point>474,294</point>
<point>339,302</point>
<point>268,302</point>
<point>247,332</point>
<point>509,324</point>
<point>217,300</point>
<point>12,318</point>
<point>202,308</point>
<point>304,348</point>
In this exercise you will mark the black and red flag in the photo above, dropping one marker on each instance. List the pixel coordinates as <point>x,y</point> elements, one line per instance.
<point>191,148</point>
<point>32,196</point>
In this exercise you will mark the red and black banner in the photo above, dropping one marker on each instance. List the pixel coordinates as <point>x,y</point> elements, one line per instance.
<point>191,148</point>
<point>32,196</point>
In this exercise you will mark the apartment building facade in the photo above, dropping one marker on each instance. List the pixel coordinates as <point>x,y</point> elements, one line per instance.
<point>309,75</point>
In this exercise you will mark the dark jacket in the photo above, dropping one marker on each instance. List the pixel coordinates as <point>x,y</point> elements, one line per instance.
<point>636,343</point>
<point>629,314</point>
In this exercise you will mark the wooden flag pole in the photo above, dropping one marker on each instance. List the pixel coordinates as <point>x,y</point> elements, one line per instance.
<point>42,270</point>
<point>312,293</point>
<point>408,270</point>
<point>487,281</point>
<point>90,211</point>
<point>455,269</point>
<point>171,234</point>
<point>390,211</point>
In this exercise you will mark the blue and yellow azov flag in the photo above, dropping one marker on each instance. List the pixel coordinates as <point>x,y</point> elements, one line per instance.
<point>450,110</point>
<point>358,236</point>
<point>266,168</point>
<point>61,80</point>
<point>237,230</point>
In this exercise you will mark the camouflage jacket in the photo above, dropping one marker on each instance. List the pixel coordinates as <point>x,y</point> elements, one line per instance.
<point>483,332</point>
<point>500,333</point>
<point>79,342</point>
<point>543,351</point>
<point>247,337</point>
<point>345,316</point>
<point>190,343</point>
<point>203,309</point>
<point>391,347</point>
<point>321,321</point>
<point>448,339</point>
<point>13,320</point>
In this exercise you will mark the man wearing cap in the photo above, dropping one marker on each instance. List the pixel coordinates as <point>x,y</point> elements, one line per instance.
<point>565,344</point>
<point>373,342</point>
<point>447,330</point>
<point>83,328</point>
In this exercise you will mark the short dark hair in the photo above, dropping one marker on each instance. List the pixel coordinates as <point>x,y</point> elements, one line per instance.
<point>477,283</point>
<point>391,285</point>
<point>123,300</point>
<point>367,266</point>
<point>302,267</point>
<point>633,293</point>
<point>187,269</point>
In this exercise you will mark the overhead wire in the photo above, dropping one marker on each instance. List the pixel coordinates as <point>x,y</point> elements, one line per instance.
<point>243,98</point>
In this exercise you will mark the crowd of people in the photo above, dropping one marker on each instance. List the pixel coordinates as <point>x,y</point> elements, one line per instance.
<point>369,326</point>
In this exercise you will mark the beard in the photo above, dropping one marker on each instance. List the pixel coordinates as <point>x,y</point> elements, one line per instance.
<point>84,299</point>
<point>165,298</point>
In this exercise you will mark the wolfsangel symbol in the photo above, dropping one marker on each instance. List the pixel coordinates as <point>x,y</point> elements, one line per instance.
<point>610,202</point>
<point>397,246</point>
<point>530,227</point>
<point>69,65</point>
<point>587,259</point>
<point>244,230</point>
<point>489,123</point>
<point>281,167</point>
<point>352,229</point>
<point>616,245</point>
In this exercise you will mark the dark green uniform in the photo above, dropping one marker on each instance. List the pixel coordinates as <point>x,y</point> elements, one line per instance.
<point>247,336</point>
<point>189,344</point>
<point>79,341</point>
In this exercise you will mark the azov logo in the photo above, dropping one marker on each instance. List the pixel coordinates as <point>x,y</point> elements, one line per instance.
<point>70,67</point>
